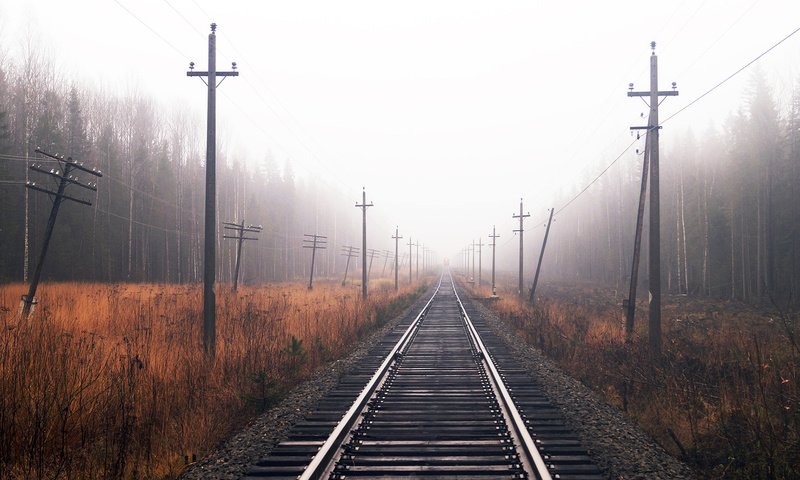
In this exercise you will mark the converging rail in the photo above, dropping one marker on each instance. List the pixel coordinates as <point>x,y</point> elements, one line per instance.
<point>440,397</point>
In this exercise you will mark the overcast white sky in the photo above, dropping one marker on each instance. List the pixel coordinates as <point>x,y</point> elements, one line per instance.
<point>447,111</point>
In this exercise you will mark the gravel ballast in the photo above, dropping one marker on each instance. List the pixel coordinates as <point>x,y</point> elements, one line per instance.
<point>617,445</point>
<point>231,459</point>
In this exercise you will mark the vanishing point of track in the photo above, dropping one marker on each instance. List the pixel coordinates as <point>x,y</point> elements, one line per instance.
<point>439,397</point>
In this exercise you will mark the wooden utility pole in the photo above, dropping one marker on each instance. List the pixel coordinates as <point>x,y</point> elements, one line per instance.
<point>349,252</point>
<point>541,256</point>
<point>363,206</point>
<point>480,250</point>
<point>209,248</point>
<point>386,256</point>
<point>472,250</point>
<point>410,261</point>
<point>655,208</point>
<point>314,242</point>
<point>494,237</point>
<point>240,238</point>
<point>418,245</point>
<point>65,177</point>
<point>629,304</point>
<point>372,254</point>
<point>521,231</point>
<point>396,238</point>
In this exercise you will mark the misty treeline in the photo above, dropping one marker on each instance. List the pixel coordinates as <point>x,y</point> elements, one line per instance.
<point>146,218</point>
<point>730,210</point>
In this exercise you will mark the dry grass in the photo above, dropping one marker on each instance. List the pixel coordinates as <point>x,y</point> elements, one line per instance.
<point>109,381</point>
<point>725,394</point>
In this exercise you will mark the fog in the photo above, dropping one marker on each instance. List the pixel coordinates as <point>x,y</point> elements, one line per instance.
<point>446,112</point>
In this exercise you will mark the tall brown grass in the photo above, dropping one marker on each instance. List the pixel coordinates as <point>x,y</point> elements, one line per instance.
<point>725,394</point>
<point>109,381</point>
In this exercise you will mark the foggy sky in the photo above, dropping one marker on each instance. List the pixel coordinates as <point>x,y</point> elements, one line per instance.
<point>448,112</point>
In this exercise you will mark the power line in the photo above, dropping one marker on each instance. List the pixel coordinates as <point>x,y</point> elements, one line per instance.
<point>152,30</point>
<point>597,177</point>
<point>187,22</point>
<point>787,37</point>
<point>287,126</point>
<point>720,37</point>
<point>676,113</point>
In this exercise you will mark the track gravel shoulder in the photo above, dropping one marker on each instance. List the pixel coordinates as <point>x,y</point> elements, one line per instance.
<point>616,444</point>
<point>232,458</point>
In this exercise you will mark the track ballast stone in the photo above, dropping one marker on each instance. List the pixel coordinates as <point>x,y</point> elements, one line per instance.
<point>232,458</point>
<point>617,445</point>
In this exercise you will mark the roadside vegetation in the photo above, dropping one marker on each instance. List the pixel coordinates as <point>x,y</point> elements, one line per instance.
<point>723,397</point>
<point>110,381</point>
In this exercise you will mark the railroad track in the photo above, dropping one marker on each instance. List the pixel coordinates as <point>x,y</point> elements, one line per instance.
<point>439,397</point>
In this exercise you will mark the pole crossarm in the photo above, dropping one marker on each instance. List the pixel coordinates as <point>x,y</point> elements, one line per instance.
<point>314,242</point>
<point>240,229</point>
<point>521,232</point>
<point>64,180</point>
<point>363,206</point>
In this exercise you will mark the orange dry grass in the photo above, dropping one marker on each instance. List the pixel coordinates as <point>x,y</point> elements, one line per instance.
<point>109,381</point>
<point>725,395</point>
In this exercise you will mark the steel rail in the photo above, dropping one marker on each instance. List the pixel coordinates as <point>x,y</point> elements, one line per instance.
<point>532,460</point>
<point>325,458</point>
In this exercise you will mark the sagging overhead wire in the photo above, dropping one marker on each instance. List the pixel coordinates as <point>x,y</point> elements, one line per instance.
<point>679,111</point>
<point>757,58</point>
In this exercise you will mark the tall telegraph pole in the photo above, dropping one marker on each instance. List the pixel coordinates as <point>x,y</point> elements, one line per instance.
<point>494,237</point>
<point>209,255</point>
<point>396,238</point>
<point>480,260</point>
<point>532,298</point>
<point>363,206</point>
<point>655,215</point>
<point>521,231</point>
<point>64,175</point>
<point>314,242</point>
<point>417,250</point>
<point>240,237</point>
<point>410,260</point>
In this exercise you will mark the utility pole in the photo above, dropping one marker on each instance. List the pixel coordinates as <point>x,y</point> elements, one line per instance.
<point>472,249</point>
<point>479,245</point>
<point>349,252</point>
<point>418,245</point>
<point>541,256</point>
<point>363,206</point>
<point>655,208</point>
<point>629,304</point>
<point>386,256</point>
<point>65,176</point>
<point>209,248</point>
<point>521,232</point>
<point>410,262</point>
<point>240,238</point>
<point>494,237</point>
<point>314,242</point>
<point>396,238</point>
<point>372,253</point>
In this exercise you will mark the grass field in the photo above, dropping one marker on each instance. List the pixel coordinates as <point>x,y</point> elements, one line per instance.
<point>110,381</point>
<point>724,396</point>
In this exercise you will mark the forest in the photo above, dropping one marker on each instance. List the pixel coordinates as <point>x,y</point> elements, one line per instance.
<point>145,223</point>
<point>729,210</point>
<point>729,192</point>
